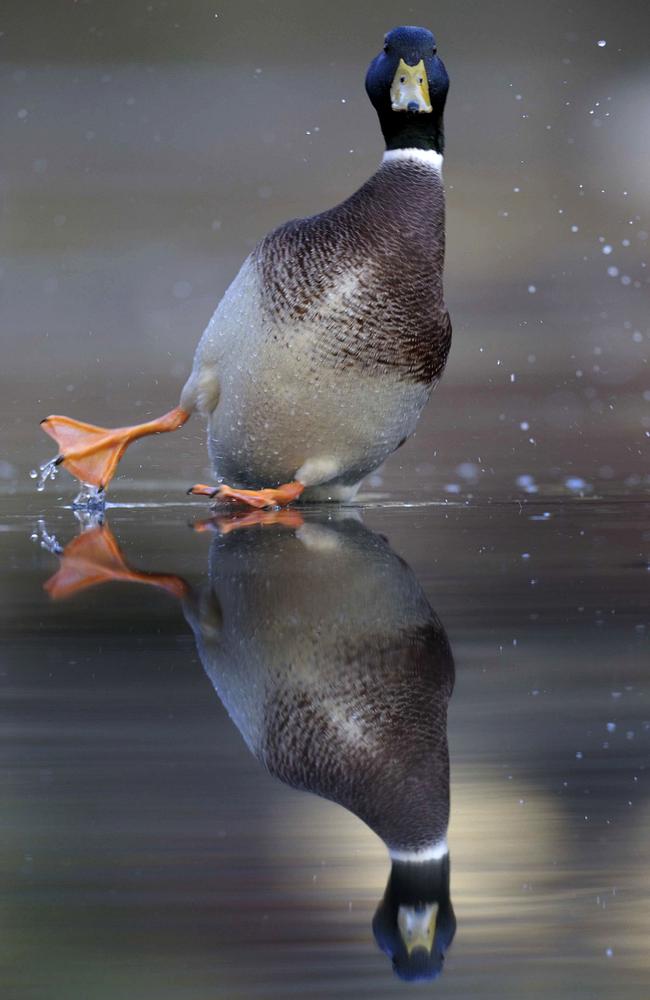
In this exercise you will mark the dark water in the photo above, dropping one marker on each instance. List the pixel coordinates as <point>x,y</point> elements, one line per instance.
<point>146,852</point>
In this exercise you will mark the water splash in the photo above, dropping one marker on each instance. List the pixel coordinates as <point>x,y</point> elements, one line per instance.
<point>89,498</point>
<point>89,518</point>
<point>45,540</point>
<point>44,472</point>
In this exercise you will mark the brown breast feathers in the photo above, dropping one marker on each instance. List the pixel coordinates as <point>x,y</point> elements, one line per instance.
<point>366,277</point>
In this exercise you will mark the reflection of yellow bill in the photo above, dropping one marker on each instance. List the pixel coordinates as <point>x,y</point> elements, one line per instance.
<point>417,926</point>
<point>410,86</point>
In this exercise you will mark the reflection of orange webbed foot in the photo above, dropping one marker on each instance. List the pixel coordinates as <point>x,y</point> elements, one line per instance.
<point>253,518</point>
<point>91,453</point>
<point>94,557</point>
<point>258,499</point>
<point>201,490</point>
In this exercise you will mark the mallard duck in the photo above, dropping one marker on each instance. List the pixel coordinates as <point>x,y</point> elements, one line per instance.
<point>328,657</point>
<point>330,661</point>
<point>325,348</point>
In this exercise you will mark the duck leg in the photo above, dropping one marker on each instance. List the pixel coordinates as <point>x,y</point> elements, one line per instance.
<point>94,557</point>
<point>258,499</point>
<point>91,453</point>
<point>311,473</point>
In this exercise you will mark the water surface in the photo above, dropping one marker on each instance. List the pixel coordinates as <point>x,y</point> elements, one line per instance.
<point>147,852</point>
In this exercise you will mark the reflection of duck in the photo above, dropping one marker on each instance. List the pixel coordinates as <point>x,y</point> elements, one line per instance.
<point>329,659</point>
<point>323,352</point>
<point>415,922</point>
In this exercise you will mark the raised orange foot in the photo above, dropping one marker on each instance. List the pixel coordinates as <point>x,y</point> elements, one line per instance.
<point>91,453</point>
<point>258,499</point>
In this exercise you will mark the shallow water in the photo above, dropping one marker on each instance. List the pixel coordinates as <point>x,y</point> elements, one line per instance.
<point>146,852</point>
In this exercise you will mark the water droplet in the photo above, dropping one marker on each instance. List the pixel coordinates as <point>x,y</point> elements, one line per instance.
<point>46,471</point>
<point>47,541</point>
<point>468,471</point>
<point>575,483</point>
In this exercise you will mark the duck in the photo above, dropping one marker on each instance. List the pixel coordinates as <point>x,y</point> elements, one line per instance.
<point>329,659</point>
<point>324,350</point>
<point>323,648</point>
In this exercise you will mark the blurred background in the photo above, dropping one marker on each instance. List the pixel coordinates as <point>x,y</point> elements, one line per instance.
<point>147,146</point>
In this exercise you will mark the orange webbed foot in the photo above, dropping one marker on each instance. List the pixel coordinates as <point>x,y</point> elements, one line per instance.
<point>278,496</point>
<point>92,453</point>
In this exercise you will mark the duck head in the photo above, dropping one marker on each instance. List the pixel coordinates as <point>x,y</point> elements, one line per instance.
<point>407,84</point>
<point>415,923</point>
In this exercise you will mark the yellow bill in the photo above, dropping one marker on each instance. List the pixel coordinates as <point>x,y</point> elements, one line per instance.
<point>409,90</point>
<point>417,926</point>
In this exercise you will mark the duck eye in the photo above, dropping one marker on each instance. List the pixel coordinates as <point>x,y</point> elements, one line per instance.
<point>434,50</point>
<point>402,79</point>
<point>420,79</point>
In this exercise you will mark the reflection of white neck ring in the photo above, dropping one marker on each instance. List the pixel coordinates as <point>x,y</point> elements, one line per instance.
<point>433,853</point>
<point>427,156</point>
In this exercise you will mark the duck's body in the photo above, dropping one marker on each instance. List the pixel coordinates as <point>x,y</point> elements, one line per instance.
<point>329,659</point>
<point>324,350</point>
<point>337,672</point>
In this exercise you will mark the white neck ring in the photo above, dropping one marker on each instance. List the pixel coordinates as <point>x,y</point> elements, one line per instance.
<point>433,853</point>
<point>428,157</point>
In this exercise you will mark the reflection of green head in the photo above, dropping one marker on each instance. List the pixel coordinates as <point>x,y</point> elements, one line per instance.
<point>415,923</point>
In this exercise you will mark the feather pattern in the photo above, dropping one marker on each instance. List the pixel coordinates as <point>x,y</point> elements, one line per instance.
<point>367,275</point>
<point>325,348</point>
